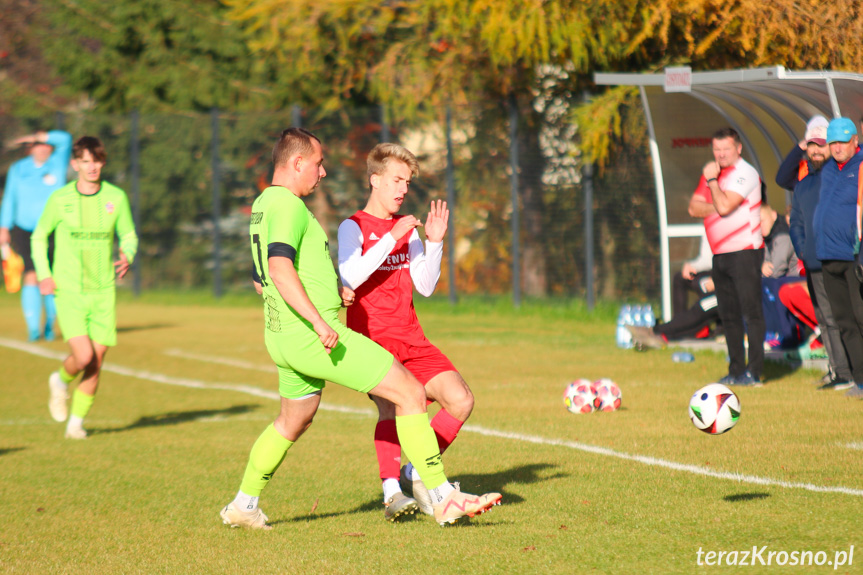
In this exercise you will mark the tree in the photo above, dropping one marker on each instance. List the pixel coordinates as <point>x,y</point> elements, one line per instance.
<point>420,55</point>
<point>153,55</point>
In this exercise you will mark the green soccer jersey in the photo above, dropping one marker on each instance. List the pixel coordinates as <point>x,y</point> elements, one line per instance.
<point>83,229</point>
<point>281,224</point>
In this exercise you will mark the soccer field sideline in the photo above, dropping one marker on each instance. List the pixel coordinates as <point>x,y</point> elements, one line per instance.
<point>36,350</point>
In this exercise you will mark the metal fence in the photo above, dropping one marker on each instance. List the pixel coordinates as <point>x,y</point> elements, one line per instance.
<point>192,178</point>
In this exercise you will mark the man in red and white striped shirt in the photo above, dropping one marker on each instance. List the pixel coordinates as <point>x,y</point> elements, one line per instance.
<point>728,199</point>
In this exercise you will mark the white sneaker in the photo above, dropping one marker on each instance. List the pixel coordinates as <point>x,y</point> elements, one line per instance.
<point>59,396</point>
<point>76,433</point>
<point>417,490</point>
<point>251,519</point>
<point>457,505</point>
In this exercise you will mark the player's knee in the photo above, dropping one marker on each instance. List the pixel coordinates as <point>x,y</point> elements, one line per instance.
<point>83,359</point>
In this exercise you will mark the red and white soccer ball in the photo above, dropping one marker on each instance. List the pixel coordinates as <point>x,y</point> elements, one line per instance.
<point>608,395</point>
<point>714,409</point>
<point>580,396</point>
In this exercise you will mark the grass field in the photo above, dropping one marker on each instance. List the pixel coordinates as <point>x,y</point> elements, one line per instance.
<point>190,387</point>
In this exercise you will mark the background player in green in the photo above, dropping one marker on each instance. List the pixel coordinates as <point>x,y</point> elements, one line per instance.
<point>309,344</point>
<point>83,215</point>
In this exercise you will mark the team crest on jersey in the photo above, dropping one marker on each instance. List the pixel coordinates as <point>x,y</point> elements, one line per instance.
<point>49,179</point>
<point>109,207</point>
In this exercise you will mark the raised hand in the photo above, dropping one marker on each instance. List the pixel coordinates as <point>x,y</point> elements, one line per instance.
<point>436,222</point>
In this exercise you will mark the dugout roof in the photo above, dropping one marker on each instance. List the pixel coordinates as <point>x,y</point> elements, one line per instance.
<point>769,107</point>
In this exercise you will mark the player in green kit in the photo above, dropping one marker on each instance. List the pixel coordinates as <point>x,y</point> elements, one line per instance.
<point>309,344</point>
<point>83,215</point>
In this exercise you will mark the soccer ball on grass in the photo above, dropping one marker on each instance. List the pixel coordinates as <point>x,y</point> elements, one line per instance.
<point>608,394</point>
<point>580,396</point>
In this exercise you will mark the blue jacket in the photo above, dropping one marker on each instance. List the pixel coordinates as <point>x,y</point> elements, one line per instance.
<point>806,193</point>
<point>835,221</point>
<point>28,185</point>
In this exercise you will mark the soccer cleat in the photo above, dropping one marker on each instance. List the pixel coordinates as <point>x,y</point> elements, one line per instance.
<point>747,379</point>
<point>457,505</point>
<point>76,433</point>
<point>417,490</point>
<point>59,395</point>
<point>836,384</point>
<point>398,505</point>
<point>645,337</point>
<point>727,380</point>
<point>855,392</point>
<point>251,519</point>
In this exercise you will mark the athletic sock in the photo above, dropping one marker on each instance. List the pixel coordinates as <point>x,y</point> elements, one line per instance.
<point>246,502</point>
<point>446,428</point>
<point>81,404</point>
<point>388,449</point>
<point>440,492</point>
<point>50,316</point>
<point>75,422</point>
<point>31,304</point>
<point>418,441</point>
<point>65,376</point>
<point>267,454</point>
<point>391,487</point>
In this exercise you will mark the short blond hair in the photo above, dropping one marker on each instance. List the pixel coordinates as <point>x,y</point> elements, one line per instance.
<point>381,154</point>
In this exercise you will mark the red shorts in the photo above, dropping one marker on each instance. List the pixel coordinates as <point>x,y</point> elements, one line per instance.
<point>421,358</point>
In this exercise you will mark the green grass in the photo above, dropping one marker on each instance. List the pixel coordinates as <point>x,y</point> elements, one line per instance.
<point>142,494</point>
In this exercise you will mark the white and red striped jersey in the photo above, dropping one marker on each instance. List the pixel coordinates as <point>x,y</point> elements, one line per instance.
<point>741,229</point>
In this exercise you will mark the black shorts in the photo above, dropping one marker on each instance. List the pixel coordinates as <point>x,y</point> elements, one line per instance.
<point>21,244</point>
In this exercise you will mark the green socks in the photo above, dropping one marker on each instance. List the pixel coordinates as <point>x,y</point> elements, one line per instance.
<point>81,402</point>
<point>420,445</point>
<point>267,454</point>
<point>65,376</point>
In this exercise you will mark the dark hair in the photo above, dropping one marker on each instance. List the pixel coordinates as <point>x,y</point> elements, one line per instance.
<point>89,144</point>
<point>293,141</point>
<point>725,133</point>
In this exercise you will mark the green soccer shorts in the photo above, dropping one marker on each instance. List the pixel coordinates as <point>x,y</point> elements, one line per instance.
<point>304,365</point>
<point>93,315</point>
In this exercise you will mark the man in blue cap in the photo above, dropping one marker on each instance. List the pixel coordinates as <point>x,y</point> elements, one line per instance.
<point>837,229</point>
<point>801,173</point>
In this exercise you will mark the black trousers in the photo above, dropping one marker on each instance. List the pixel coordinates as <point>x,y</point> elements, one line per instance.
<point>846,303</point>
<point>680,288</point>
<point>691,321</point>
<point>737,278</point>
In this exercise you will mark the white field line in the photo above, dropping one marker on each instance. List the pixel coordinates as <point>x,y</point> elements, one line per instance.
<point>268,368</point>
<point>646,460</point>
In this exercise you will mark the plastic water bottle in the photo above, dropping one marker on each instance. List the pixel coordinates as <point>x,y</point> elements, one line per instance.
<point>624,318</point>
<point>682,357</point>
<point>648,317</point>
<point>637,317</point>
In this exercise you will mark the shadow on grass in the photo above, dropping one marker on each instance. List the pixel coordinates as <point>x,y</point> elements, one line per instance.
<point>472,483</point>
<point>738,497</point>
<point>6,450</point>
<point>177,417</point>
<point>130,328</point>
<point>774,370</point>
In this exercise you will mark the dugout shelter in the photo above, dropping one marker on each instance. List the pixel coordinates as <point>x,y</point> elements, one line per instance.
<point>769,107</point>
